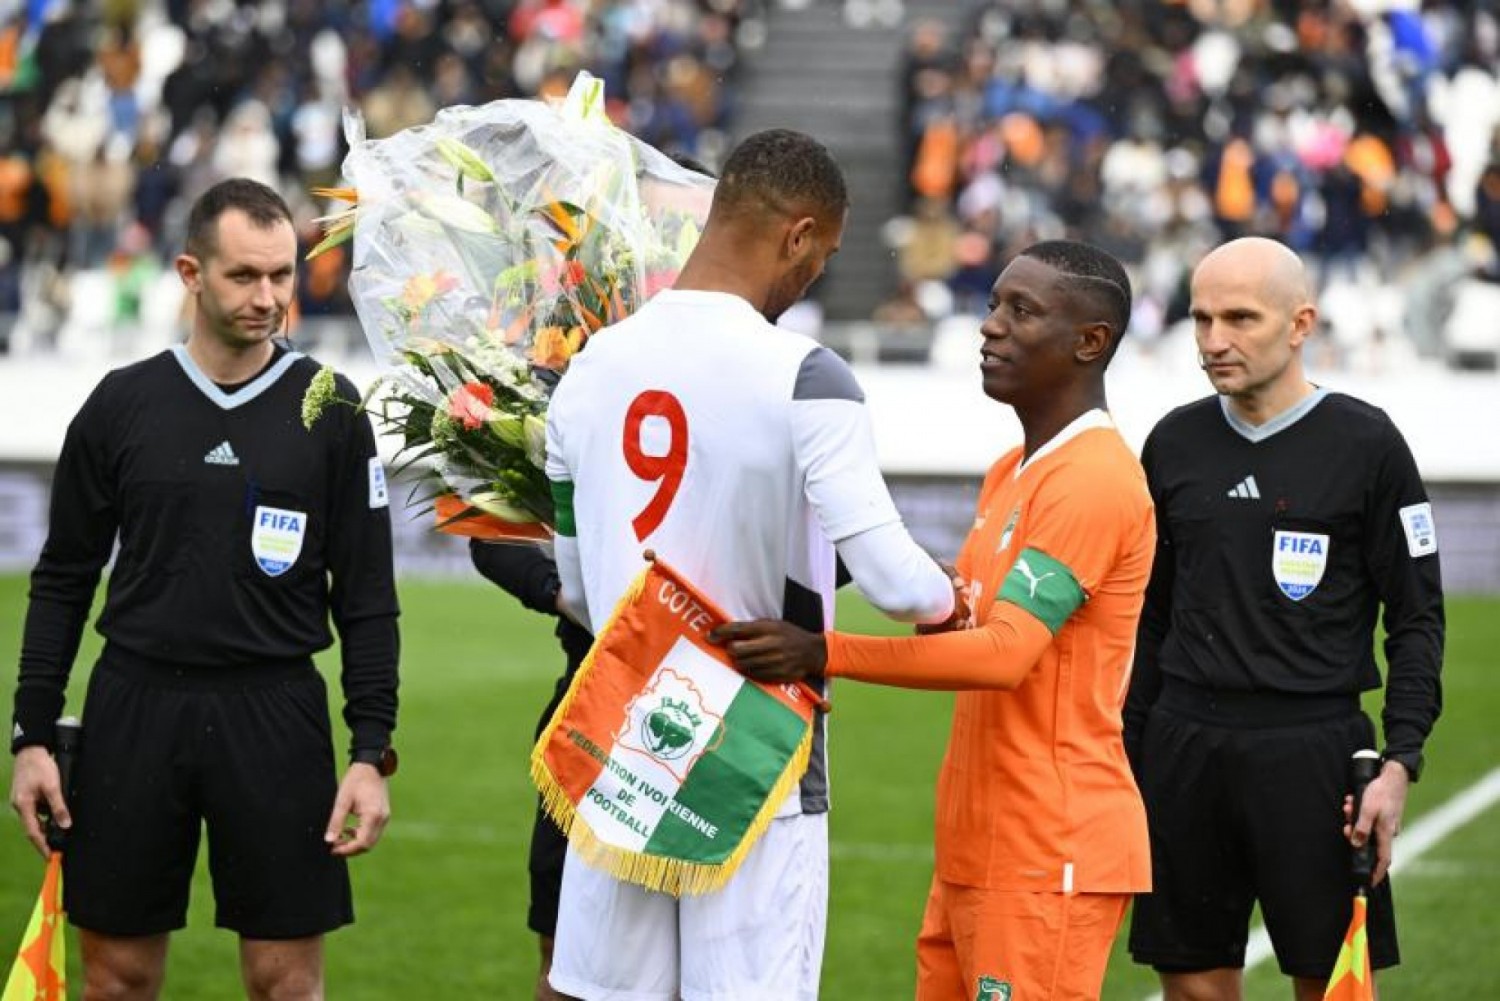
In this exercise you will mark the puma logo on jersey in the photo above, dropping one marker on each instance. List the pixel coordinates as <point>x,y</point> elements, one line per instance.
<point>1031,578</point>
<point>222,454</point>
<point>1245,489</point>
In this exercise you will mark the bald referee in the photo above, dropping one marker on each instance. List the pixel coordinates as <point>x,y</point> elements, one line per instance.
<point>1290,518</point>
<point>240,533</point>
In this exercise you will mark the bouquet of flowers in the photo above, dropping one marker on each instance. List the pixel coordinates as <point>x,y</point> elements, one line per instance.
<point>488,247</point>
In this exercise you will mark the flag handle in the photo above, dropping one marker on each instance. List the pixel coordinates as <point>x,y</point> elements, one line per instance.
<point>68,739</point>
<point>1363,767</point>
<point>814,696</point>
<point>821,704</point>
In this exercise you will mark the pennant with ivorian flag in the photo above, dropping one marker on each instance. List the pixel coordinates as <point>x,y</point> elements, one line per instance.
<point>1352,979</point>
<point>40,972</point>
<point>663,763</point>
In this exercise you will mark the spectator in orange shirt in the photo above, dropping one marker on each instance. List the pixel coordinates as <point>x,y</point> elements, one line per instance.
<point>1041,833</point>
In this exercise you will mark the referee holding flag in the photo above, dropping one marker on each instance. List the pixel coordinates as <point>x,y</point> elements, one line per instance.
<point>240,534</point>
<point>1290,518</point>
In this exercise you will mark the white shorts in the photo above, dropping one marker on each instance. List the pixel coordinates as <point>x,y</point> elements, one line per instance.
<point>760,938</point>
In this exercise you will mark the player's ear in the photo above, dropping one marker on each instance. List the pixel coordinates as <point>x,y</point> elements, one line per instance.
<point>799,236</point>
<point>1092,342</point>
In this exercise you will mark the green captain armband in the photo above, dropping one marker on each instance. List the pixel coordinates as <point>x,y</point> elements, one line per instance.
<point>562,505</point>
<point>1044,587</point>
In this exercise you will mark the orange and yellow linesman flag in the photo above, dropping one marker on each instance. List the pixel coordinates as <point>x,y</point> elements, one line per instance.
<point>664,763</point>
<point>1352,979</point>
<point>40,972</point>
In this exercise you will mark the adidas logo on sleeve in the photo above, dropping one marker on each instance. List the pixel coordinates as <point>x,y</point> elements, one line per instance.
<point>222,454</point>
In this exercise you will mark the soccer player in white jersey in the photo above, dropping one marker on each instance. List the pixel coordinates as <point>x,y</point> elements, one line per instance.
<point>742,454</point>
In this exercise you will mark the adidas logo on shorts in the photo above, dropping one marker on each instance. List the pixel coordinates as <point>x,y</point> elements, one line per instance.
<point>222,454</point>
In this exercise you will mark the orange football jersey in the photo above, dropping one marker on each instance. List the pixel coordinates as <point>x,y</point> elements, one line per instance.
<point>1035,792</point>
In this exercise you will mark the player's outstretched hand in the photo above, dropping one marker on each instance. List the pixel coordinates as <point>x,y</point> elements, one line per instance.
<point>960,619</point>
<point>364,799</point>
<point>36,793</point>
<point>772,650</point>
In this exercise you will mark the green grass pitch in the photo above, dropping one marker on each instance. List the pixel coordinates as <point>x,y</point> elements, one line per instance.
<point>441,902</point>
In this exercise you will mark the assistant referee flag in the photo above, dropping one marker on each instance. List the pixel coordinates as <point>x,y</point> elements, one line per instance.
<point>1352,979</point>
<point>40,972</point>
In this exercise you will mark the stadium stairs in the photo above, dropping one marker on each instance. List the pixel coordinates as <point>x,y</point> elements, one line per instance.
<point>819,74</point>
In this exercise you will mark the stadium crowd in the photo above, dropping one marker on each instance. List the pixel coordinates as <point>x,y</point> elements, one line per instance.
<point>115,116</point>
<point>1362,134</point>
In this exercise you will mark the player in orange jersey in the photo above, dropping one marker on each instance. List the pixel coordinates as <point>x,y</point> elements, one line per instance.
<point>1041,834</point>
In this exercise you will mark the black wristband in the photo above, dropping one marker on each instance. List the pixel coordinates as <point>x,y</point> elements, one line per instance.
<point>1412,761</point>
<point>383,758</point>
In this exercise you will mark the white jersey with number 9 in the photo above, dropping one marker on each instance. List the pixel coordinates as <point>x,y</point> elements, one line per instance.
<point>738,451</point>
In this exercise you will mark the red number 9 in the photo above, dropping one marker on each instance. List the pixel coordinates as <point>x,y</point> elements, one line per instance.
<point>668,468</point>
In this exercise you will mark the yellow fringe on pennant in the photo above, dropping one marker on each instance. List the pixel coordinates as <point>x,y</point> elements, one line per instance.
<point>654,872</point>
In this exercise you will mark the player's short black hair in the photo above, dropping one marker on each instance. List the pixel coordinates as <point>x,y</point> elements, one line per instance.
<point>784,170</point>
<point>1094,275</point>
<point>263,205</point>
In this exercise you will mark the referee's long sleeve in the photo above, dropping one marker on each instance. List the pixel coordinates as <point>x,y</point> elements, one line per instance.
<point>1411,593</point>
<point>1156,619</point>
<point>363,595</point>
<point>80,537</point>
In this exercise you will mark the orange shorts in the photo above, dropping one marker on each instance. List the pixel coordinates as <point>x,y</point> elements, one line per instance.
<point>992,945</point>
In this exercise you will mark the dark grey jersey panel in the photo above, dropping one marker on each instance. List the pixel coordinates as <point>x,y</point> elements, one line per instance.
<point>803,607</point>
<point>826,376</point>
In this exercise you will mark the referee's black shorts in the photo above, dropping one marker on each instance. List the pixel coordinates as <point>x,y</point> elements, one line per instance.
<point>169,750</point>
<point>1244,796</point>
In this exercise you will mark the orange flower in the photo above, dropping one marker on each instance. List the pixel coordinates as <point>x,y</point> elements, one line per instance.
<point>421,290</point>
<point>552,348</point>
<point>342,194</point>
<point>561,216</point>
<point>470,404</point>
<point>573,274</point>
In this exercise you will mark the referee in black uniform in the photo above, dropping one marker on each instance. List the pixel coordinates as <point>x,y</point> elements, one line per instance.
<point>240,532</point>
<point>1289,517</point>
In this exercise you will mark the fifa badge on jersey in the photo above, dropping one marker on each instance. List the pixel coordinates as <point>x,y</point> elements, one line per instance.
<point>993,989</point>
<point>1008,530</point>
<point>1298,560</point>
<point>379,495</point>
<point>276,539</point>
<point>1421,534</point>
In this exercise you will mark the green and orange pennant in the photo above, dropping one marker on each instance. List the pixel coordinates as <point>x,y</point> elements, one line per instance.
<point>40,972</point>
<point>663,762</point>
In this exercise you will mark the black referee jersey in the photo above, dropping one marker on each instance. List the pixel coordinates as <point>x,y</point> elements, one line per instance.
<point>1277,547</point>
<point>239,531</point>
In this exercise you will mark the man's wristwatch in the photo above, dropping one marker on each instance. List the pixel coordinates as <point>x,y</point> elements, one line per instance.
<point>1412,761</point>
<point>383,758</point>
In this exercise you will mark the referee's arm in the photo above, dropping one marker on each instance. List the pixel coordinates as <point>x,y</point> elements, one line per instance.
<point>362,598</point>
<point>1411,593</point>
<point>81,533</point>
<point>80,537</point>
<point>1151,633</point>
<point>526,573</point>
<point>1404,569</point>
